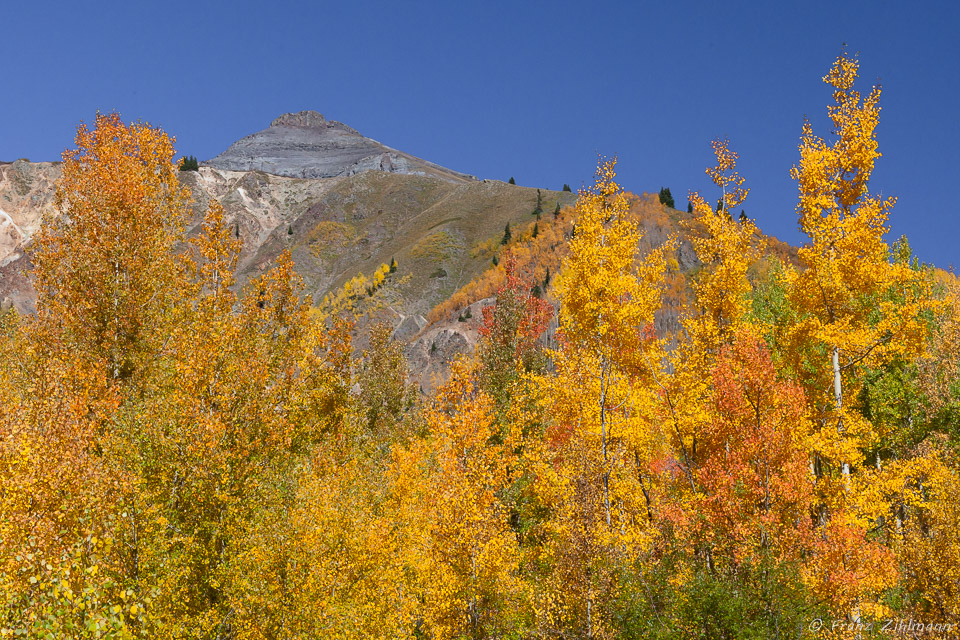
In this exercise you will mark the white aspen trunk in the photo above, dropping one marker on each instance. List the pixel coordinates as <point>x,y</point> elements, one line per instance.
<point>838,399</point>
<point>589,617</point>
<point>845,465</point>
<point>604,383</point>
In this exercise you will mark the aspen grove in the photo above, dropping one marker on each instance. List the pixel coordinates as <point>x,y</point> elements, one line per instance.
<point>184,457</point>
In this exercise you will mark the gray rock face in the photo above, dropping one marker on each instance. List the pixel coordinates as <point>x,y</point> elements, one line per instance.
<point>307,145</point>
<point>409,327</point>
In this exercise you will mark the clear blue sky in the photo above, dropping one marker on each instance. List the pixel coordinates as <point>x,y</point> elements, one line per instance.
<point>498,89</point>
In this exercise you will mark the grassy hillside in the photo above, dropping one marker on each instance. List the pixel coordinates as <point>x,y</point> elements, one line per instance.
<point>441,234</point>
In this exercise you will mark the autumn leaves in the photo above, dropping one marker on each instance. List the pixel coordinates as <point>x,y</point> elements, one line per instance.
<point>183,459</point>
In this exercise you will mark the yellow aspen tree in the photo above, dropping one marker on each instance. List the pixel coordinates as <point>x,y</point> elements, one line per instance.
<point>330,560</point>
<point>727,248</point>
<point>243,395</point>
<point>856,307</point>
<point>599,405</point>
<point>457,536</point>
<point>331,565</point>
<point>847,272</point>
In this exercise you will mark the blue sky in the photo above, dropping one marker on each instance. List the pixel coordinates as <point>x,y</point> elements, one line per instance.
<point>498,89</point>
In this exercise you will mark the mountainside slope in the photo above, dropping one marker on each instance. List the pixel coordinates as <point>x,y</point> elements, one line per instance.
<point>335,228</point>
<point>443,232</point>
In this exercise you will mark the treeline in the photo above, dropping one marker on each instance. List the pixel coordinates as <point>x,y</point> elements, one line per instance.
<point>178,460</point>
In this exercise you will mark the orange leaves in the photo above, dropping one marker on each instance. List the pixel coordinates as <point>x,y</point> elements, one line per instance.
<point>753,473</point>
<point>510,333</point>
<point>104,266</point>
<point>847,570</point>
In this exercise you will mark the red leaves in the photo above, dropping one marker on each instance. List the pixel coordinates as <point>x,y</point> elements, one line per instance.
<point>519,318</point>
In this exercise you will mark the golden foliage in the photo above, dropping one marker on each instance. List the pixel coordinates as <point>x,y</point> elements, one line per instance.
<point>183,459</point>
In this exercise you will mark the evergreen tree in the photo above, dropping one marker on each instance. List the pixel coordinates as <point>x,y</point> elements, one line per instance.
<point>511,180</point>
<point>536,230</point>
<point>566,187</point>
<point>556,212</point>
<point>666,198</point>
<point>689,207</point>
<point>506,234</point>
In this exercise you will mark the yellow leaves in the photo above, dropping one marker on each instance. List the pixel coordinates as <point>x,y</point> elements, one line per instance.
<point>459,542</point>
<point>217,255</point>
<point>833,178</point>
<point>857,302</point>
<point>357,297</point>
<point>725,176</point>
<point>608,297</point>
<point>727,249</point>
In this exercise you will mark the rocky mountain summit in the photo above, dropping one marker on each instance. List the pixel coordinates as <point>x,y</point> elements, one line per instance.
<point>307,145</point>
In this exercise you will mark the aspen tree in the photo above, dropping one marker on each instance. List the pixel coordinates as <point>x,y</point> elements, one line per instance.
<point>600,406</point>
<point>104,267</point>
<point>856,308</point>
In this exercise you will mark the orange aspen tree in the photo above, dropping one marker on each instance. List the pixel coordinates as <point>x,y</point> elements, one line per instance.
<point>750,515</point>
<point>727,249</point>
<point>58,494</point>
<point>105,272</point>
<point>106,280</point>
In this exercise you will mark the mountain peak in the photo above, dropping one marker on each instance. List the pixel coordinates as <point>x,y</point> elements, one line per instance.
<point>311,120</point>
<point>307,145</point>
<point>302,119</point>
